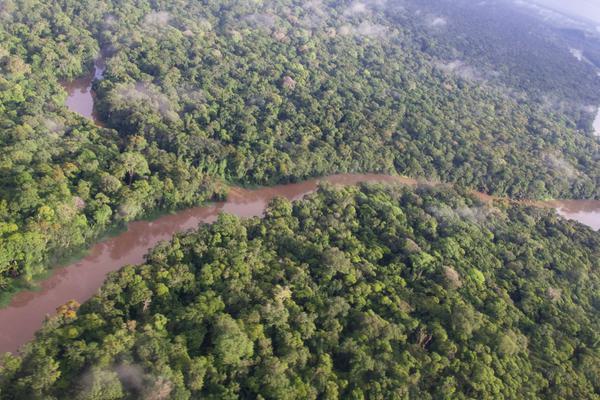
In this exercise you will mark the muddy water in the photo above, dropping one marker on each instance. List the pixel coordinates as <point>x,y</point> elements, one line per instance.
<point>81,280</point>
<point>80,95</point>
<point>585,211</point>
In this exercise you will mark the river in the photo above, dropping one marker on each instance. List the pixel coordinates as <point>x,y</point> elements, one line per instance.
<point>80,97</point>
<point>81,280</point>
<point>585,211</point>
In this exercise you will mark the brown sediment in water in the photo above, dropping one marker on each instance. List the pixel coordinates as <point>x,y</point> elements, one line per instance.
<point>82,279</point>
<point>80,97</point>
<point>586,212</point>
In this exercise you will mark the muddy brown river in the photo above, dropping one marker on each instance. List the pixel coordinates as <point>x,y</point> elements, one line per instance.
<point>80,97</point>
<point>585,211</point>
<point>79,281</point>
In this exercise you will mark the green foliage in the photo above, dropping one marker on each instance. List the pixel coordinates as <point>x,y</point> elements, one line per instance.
<point>465,34</point>
<point>231,345</point>
<point>346,294</point>
<point>101,385</point>
<point>260,93</point>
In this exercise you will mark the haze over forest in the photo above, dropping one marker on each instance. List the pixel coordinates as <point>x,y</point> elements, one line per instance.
<point>588,9</point>
<point>415,190</point>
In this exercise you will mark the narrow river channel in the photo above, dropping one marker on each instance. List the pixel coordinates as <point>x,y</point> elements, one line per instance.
<point>79,281</point>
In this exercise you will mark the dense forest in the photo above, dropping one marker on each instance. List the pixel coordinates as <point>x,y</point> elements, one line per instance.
<point>374,292</point>
<point>508,45</point>
<point>198,94</point>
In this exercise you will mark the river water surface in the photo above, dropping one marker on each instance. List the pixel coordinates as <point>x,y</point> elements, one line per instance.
<point>81,280</point>
<point>80,97</point>
<point>585,211</point>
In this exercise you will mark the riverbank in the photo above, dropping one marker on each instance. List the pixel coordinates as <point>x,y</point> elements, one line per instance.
<point>81,279</point>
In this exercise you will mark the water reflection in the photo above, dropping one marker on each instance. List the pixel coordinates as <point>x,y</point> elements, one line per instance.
<point>585,211</point>
<point>80,95</point>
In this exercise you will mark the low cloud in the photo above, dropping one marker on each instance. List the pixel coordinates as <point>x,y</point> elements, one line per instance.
<point>365,28</point>
<point>438,22</point>
<point>371,30</point>
<point>157,19</point>
<point>314,13</point>
<point>460,69</point>
<point>560,166</point>
<point>435,23</point>
<point>315,7</point>
<point>131,376</point>
<point>143,94</point>
<point>125,378</point>
<point>477,215</point>
<point>260,20</point>
<point>356,8</point>
<point>590,109</point>
<point>554,103</point>
<point>577,53</point>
